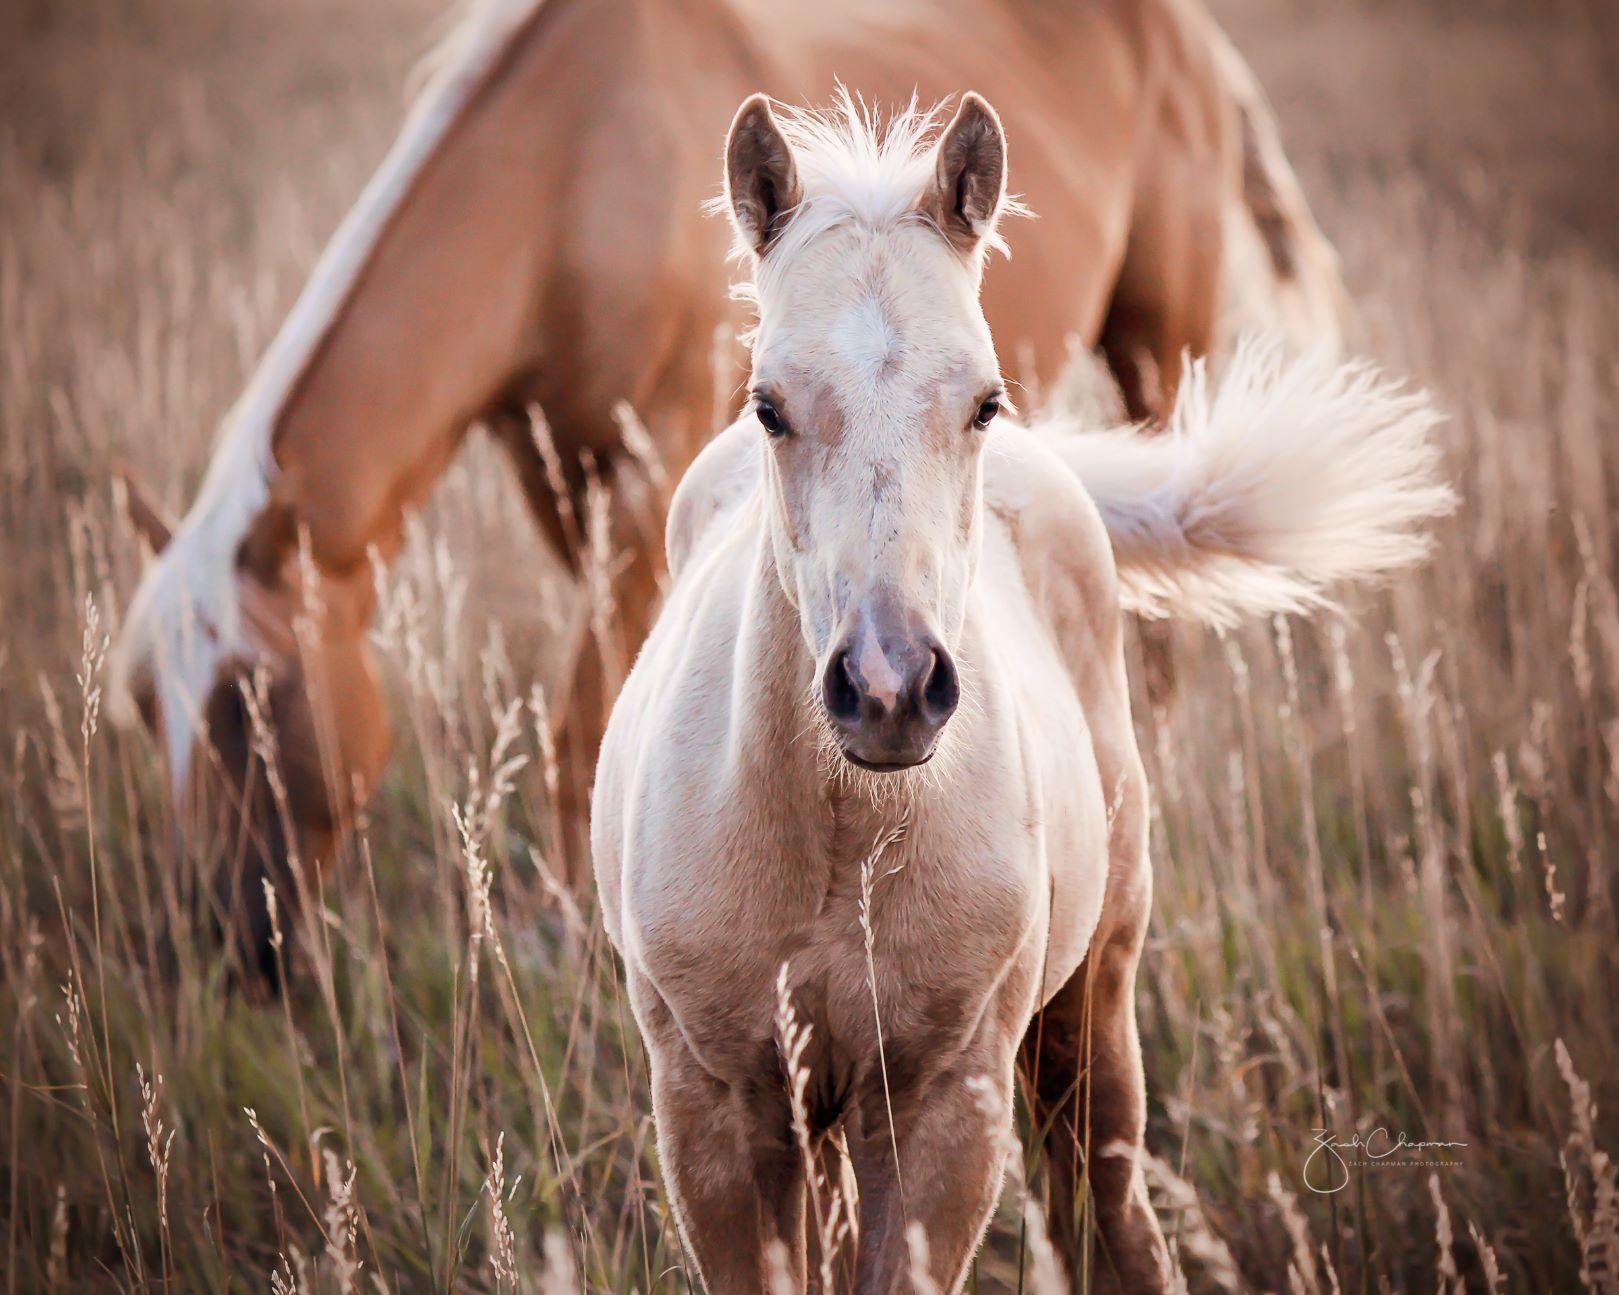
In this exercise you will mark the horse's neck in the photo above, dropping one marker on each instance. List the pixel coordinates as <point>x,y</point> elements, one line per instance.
<point>422,310</point>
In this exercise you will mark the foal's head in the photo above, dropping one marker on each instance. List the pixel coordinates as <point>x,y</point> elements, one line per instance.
<point>874,379</point>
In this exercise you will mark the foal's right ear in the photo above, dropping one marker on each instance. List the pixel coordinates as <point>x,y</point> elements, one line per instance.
<point>761,182</point>
<point>969,179</point>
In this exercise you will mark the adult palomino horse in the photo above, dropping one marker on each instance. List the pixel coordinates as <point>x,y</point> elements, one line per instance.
<point>535,238</point>
<point>874,776</point>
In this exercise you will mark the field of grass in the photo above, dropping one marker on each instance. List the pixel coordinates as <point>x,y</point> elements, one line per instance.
<point>1387,843</point>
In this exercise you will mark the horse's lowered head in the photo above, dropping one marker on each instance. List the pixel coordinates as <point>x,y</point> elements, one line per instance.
<point>253,672</point>
<point>873,381</point>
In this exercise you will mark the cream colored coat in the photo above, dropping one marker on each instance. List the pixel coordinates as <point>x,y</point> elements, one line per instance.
<point>725,848</point>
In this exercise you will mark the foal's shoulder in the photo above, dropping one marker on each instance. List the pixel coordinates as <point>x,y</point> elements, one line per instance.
<point>1051,521</point>
<point>1064,559</point>
<point>719,476</point>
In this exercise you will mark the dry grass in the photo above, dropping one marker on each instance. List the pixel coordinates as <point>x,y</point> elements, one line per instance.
<point>1386,843</point>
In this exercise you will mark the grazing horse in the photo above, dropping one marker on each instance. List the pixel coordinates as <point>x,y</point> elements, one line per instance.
<point>870,824</point>
<point>534,239</point>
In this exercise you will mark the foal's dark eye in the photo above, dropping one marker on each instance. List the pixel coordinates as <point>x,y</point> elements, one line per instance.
<point>769,417</point>
<point>987,411</point>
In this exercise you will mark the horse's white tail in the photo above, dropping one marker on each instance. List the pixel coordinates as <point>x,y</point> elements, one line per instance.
<point>1280,482</point>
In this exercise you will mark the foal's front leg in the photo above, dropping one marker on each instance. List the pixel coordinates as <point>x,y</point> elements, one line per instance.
<point>732,1170</point>
<point>953,1135</point>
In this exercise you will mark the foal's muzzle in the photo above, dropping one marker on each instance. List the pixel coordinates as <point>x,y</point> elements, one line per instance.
<point>889,696</point>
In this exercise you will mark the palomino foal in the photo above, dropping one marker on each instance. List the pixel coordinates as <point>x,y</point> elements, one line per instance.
<point>894,630</point>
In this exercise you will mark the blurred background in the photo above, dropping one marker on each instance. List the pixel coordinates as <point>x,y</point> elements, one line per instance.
<point>1385,843</point>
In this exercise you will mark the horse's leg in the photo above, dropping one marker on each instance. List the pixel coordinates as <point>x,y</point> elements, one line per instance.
<point>554,486</point>
<point>1165,306</point>
<point>622,579</point>
<point>1166,296</point>
<point>623,571</point>
<point>732,1170</point>
<point>607,525</point>
<point>1082,1065</point>
<point>953,1133</point>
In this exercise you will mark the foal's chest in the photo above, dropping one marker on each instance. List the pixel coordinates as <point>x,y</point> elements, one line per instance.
<point>907,923</point>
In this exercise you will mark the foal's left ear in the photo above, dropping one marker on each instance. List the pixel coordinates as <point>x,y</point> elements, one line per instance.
<point>761,181</point>
<point>969,174</point>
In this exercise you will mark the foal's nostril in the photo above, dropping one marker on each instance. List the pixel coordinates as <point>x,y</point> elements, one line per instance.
<point>838,690</point>
<point>942,691</point>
